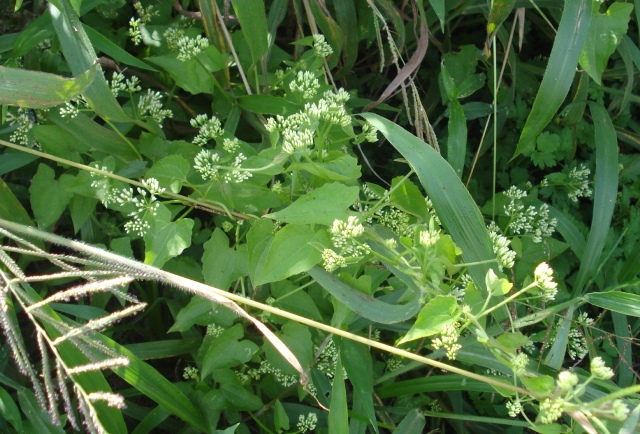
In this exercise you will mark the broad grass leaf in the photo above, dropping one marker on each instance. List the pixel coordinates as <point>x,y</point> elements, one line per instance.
<point>338,410</point>
<point>102,43</point>
<point>253,21</point>
<point>166,239</point>
<point>268,105</point>
<point>457,137</point>
<point>413,423</point>
<point>35,89</point>
<point>435,383</point>
<point>605,33</point>
<point>39,420</point>
<point>437,313</point>
<point>295,249</point>
<point>361,303</point>
<point>80,56</point>
<point>322,205</point>
<point>9,410</point>
<point>555,356</point>
<point>347,20</point>
<point>359,366</point>
<point>622,302</point>
<point>165,349</point>
<point>604,195</point>
<point>558,76</point>
<point>453,203</point>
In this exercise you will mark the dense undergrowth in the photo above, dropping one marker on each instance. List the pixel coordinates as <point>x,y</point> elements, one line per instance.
<point>348,216</point>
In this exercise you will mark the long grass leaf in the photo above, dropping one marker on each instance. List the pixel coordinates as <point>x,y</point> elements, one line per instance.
<point>453,203</point>
<point>572,32</point>
<point>604,196</point>
<point>253,20</point>
<point>80,56</point>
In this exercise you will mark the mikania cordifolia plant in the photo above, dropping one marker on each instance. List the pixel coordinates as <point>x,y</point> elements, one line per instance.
<point>230,158</point>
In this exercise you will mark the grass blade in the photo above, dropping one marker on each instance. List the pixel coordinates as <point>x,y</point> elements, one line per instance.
<point>572,32</point>
<point>455,206</point>
<point>338,411</point>
<point>457,141</point>
<point>80,56</point>
<point>604,196</point>
<point>253,20</point>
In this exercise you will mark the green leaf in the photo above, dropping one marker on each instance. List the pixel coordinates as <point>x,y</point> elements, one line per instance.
<point>222,265</point>
<point>344,168</point>
<point>202,312</point>
<point>542,385</point>
<point>621,302</point>
<point>571,36</point>
<point>338,410</point>
<point>604,195</point>
<point>11,208</point>
<point>457,137</point>
<point>49,197</point>
<point>298,339</point>
<point>259,239</point>
<point>280,418</point>
<point>295,249</point>
<point>409,199</point>
<point>39,419</point>
<point>500,10</point>
<point>239,398</point>
<point>440,10</point>
<point>432,317</point>
<point>496,285</point>
<point>322,206</point>
<point>605,33</point>
<point>171,172</point>
<point>226,351</point>
<point>166,239</point>
<point>453,203</point>
<point>190,75</point>
<point>35,89</point>
<point>361,303</point>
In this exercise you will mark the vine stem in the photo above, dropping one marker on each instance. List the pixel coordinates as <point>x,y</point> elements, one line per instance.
<point>229,300</point>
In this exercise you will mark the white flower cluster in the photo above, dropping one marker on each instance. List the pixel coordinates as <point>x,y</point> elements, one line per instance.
<point>171,36</point>
<point>514,408</point>
<point>320,46</point>
<point>448,340</point>
<point>191,373</point>
<point>24,120</point>
<point>306,84</point>
<point>396,220</point>
<point>528,220</point>
<point>506,257</point>
<point>369,133</point>
<point>134,30</point>
<point>544,279</point>
<point>429,237</point>
<point>209,129</point>
<point>298,130</point>
<point>519,363</point>
<point>150,105</point>
<point>307,423</point>
<point>145,14</point>
<point>209,165</point>
<point>328,360</point>
<point>121,84</point>
<point>266,368</point>
<point>600,370</point>
<point>214,330</point>
<point>343,237</point>
<point>579,183</point>
<point>550,410</point>
<point>577,345</point>
<point>191,47</point>
<point>143,206</point>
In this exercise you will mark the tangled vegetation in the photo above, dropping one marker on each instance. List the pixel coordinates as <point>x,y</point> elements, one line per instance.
<point>319,216</point>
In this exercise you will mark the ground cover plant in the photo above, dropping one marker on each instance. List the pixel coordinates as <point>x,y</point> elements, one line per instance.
<point>335,216</point>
